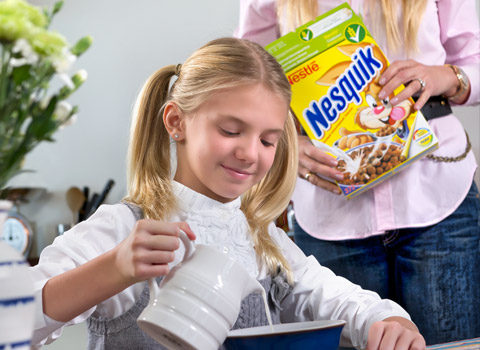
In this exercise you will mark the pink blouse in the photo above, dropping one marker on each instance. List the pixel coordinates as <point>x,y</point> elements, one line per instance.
<point>427,191</point>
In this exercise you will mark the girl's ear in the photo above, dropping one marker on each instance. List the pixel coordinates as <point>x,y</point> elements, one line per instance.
<point>173,121</point>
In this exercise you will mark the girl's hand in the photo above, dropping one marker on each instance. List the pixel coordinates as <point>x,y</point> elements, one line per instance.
<point>395,333</point>
<point>315,162</point>
<point>439,80</point>
<point>148,250</point>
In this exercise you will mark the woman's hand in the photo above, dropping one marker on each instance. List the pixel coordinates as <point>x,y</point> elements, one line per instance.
<point>315,162</point>
<point>149,248</point>
<point>438,80</point>
<point>395,333</point>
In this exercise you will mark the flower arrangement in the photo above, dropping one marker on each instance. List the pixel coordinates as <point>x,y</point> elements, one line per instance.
<point>31,57</point>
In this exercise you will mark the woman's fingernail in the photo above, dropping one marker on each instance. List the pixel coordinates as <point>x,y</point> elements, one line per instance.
<point>333,162</point>
<point>381,94</point>
<point>382,81</point>
<point>339,176</point>
<point>337,191</point>
<point>394,100</point>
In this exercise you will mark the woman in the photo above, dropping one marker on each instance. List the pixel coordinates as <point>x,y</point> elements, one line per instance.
<point>414,238</point>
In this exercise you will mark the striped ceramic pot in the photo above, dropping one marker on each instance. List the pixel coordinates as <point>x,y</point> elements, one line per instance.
<point>17,303</point>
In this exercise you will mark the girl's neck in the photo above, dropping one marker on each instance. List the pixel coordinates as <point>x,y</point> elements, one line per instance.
<point>188,197</point>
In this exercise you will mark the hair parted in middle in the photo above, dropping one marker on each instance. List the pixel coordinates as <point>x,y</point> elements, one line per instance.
<point>220,64</point>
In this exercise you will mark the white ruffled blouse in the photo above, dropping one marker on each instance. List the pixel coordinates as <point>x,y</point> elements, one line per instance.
<point>317,292</point>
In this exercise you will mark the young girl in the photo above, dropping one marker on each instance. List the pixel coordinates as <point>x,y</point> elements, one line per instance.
<point>227,114</point>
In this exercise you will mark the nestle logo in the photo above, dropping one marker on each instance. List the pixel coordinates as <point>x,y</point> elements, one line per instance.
<point>302,73</point>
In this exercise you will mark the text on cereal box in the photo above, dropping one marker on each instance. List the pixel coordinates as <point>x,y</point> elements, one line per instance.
<point>322,113</point>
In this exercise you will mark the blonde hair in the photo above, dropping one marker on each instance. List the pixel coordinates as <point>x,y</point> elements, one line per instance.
<point>220,64</point>
<point>384,16</point>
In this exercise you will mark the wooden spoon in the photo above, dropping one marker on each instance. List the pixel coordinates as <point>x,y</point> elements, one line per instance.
<point>75,200</point>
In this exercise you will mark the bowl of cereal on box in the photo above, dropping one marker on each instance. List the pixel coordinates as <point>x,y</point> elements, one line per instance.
<point>369,162</point>
<point>322,334</point>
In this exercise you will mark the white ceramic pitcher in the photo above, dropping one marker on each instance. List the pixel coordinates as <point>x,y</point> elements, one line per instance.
<point>198,302</point>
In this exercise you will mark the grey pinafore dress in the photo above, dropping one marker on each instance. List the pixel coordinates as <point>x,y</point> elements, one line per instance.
<point>122,332</point>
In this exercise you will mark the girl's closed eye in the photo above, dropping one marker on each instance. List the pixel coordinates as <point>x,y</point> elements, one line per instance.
<point>271,137</point>
<point>228,132</point>
<point>267,143</point>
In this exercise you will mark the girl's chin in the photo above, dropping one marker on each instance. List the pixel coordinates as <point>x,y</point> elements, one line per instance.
<point>230,194</point>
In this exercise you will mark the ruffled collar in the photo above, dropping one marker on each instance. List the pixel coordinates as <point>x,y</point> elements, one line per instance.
<point>222,226</point>
<point>188,199</point>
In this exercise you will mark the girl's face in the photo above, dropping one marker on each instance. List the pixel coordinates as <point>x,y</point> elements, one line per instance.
<point>229,144</point>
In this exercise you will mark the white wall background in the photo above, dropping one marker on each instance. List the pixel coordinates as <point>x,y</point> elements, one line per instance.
<point>131,40</point>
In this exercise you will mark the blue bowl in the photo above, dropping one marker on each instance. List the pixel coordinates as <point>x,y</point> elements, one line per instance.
<point>323,335</point>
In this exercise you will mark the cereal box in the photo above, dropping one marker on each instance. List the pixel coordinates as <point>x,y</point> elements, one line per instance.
<point>333,65</point>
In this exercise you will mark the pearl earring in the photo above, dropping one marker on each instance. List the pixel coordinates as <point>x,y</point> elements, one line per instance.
<point>176,136</point>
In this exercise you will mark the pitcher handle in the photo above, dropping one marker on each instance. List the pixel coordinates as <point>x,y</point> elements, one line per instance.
<point>188,243</point>
<point>189,250</point>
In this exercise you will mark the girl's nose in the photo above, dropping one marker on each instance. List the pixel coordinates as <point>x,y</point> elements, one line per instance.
<point>247,151</point>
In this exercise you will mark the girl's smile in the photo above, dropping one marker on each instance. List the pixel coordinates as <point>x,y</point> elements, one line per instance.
<point>230,143</point>
<point>241,175</point>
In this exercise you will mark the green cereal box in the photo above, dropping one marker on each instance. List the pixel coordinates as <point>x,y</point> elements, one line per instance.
<point>333,65</point>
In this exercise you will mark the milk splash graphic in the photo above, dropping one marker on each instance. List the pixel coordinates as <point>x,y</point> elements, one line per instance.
<point>352,165</point>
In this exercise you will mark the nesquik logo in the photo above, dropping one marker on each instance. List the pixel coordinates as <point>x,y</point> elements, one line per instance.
<point>379,113</point>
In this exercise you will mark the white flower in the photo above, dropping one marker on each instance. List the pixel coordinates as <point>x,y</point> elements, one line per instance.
<point>26,51</point>
<point>82,75</point>
<point>43,102</point>
<point>66,80</point>
<point>62,111</point>
<point>72,120</point>
<point>64,61</point>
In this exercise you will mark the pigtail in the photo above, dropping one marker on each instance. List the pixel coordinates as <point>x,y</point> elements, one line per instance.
<point>149,168</point>
<point>266,201</point>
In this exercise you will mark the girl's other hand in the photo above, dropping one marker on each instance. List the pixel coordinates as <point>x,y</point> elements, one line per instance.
<point>149,248</point>
<point>438,80</point>
<point>395,333</point>
<point>316,162</point>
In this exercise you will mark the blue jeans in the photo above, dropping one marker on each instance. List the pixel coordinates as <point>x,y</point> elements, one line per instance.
<point>433,272</point>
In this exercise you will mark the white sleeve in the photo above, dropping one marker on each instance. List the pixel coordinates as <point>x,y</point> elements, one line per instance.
<point>100,233</point>
<point>318,294</point>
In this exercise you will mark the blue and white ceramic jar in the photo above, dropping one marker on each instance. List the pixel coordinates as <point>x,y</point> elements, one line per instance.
<point>17,302</point>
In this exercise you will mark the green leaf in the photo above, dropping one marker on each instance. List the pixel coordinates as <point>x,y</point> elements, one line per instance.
<point>21,74</point>
<point>82,45</point>
<point>57,7</point>
<point>43,125</point>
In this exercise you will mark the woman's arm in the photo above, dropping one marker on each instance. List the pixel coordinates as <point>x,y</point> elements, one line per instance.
<point>258,21</point>
<point>460,38</point>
